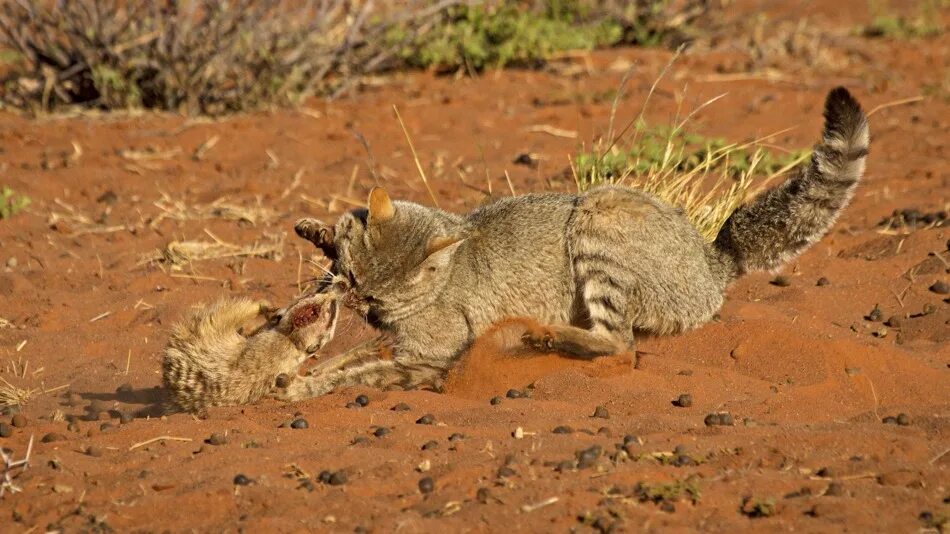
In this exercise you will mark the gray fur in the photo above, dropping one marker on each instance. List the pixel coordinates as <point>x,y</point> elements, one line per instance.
<point>597,268</point>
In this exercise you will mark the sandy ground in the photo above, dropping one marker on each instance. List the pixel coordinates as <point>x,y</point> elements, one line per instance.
<point>805,376</point>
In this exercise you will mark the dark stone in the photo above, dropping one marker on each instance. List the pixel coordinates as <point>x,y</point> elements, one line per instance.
<point>426,485</point>
<point>53,436</point>
<point>685,400</point>
<point>299,423</point>
<point>242,480</point>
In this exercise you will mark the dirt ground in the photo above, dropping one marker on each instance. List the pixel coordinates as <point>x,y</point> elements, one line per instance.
<point>805,375</point>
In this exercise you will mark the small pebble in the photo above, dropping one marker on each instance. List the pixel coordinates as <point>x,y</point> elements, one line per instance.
<point>683,460</point>
<point>903,419</point>
<point>427,419</point>
<point>381,431</point>
<point>217,438</point>
<point>781,281</point>
<point>5,430</point>
<point>587,457</point>
<point>456,437</point>
<point>563,430</point>
<point>601,412</point>
<point>362,400</point>
<point>630,439</point>
<point>106,427</point>
<point>94,450</point>
<point>826,472</point>
<point>482,495</point>
<point>282,380</point>
<point>823,282</point>
<point>505,472</point>
<point>431,444</point>
<point>940,287</point>
<point>73,427</point>
<point>718,419</point>
<point>401,407</point>
<point>604,431</point>
<point>324,476</point>
<point>889,420</point>
<point>426,485</point>
<point>685,400</point>
<point>525,159</point>
<point>338,478</point>
<point>53,436</point>
<point>875,315</point>
<point>680,449</point>
<point>835,489</point>
<point>514,394</point>
<point>496,400</point>
<point>124,388</point>
<point>242,480</point>
<point>126,418</point>
<point>893,321</point>
<point>299,423</point>
<point>360,440</point>
<point>18,420</point>
<point>566,465</point>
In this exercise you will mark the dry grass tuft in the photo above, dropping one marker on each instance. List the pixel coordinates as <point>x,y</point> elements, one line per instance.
<point>179,253</point>
<point>73,222</point>
<point>11,395</point>
<point>222,208</point>
<point>708,182</point>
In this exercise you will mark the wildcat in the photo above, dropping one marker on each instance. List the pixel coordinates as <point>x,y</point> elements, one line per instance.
<point>595,268</point>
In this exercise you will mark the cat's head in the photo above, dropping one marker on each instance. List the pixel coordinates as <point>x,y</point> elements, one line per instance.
<point>393,257</point>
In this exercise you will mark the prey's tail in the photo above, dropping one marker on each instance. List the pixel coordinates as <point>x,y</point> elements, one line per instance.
<point>778,225</point>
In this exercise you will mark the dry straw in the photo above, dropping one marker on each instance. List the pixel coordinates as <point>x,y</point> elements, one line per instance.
<point>709,192</point>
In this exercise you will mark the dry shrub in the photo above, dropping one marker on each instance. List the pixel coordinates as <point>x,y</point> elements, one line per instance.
<point>222,56</point>
<point>195,56</point>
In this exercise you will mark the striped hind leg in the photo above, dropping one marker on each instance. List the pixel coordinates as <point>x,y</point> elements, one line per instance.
<point>603,311</point>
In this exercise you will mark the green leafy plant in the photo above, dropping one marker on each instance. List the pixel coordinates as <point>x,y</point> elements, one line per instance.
<point>11,203</point>
<point>927,22</point>
<point>687,489</point>
<point>757,508</point>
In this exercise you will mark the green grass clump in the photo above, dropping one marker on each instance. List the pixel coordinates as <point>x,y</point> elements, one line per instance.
<point>476,37</point>
<point>706,176</point>
<point>687,489</point>
<point>661,146</point>
<point>11,203</point>
<point>927,22</point>
<point>757,508</point>
<point>494,35</point>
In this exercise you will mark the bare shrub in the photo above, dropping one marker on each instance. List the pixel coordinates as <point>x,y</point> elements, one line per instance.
<point>195,56</point>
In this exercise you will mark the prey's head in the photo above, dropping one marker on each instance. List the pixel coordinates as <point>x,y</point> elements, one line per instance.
<point>309,322</point>
<point>391,258</point>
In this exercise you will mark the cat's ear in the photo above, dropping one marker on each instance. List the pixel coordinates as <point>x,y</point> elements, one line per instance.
<point>440,252</point>
<point>380,205</point>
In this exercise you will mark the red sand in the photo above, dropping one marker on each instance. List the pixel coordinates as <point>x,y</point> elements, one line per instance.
<point>797,367</point>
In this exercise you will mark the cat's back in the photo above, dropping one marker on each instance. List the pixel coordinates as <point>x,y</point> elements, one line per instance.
<point>513,221</point>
